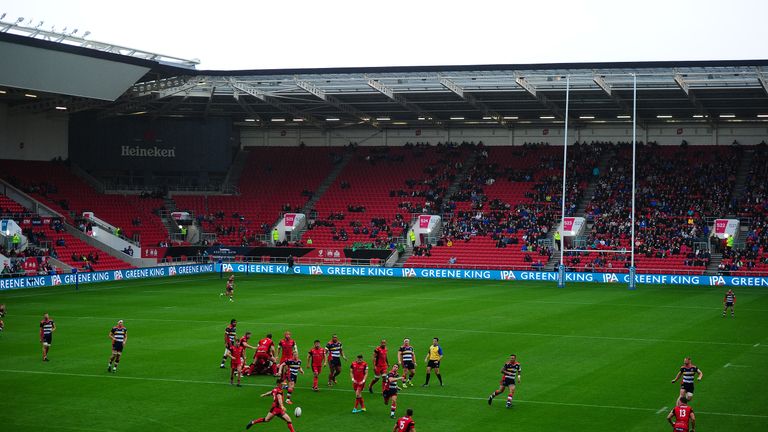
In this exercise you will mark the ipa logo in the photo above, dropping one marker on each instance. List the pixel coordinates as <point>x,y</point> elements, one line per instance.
<point>507,275</point>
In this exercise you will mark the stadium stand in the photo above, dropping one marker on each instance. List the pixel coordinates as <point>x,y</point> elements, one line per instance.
<point>275,180</point>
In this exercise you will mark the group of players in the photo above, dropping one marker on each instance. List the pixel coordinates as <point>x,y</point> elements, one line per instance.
<point>281,360</point>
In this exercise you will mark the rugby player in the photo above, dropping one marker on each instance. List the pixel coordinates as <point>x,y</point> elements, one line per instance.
<point>406,357</point>
<point>230,337</point>
<point>229,291</point>
<point>265,355</point>
<point>287,347</point>
<point>316,360</point>
<point>390,389</point>
<point>291,369</point>
<point>235,352</point>
<point>688,371</point>
<point>335,354</point>
<point>729,301</point>
<point>405,424</point>
<point>358,371</point>
<point>510,375</point>
<point>380,364</point>
<point>277,410</point>
<point>119,336</point>
<point>683,417</point>
<point>47,327</point>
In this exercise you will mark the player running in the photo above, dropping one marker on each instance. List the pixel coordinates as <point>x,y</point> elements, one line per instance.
<point>390,389</point>
<point>291,369</point>
<point>277,410</point>
<point>358,371</point>
<point>316,360</point>
<point>287,347</point>
<point>683,417</point>
<point>729,301</point>
<point>119,336</point>
<point>688,371</point>
<point>434,355</point>
<point>230,337</point>
<point>405,424</point>
<point>265,355</point>
<point>406,357</point>
<point>510,374</point>
<point>47,327</point>
<point>335,354</point>
<point>380,364</point>
<point>236,353</point>
<point>229,291</point>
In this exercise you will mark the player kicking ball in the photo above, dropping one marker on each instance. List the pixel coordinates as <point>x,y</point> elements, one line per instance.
<point>119,336</point>
<point>358,371</point>
<point>510,374</point>
<point>390,389</point>
<point>277,410</point>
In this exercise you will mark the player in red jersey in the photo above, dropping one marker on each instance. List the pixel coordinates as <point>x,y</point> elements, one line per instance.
<point>277,410</point>
<point>359,374</point>
<point>729,301</point>
<point>405,424</point>
<point>230,337</point>
<point>243,342</point>
<point>390,389</point>
<point>316,360</point>
<point>380,363</point>
<point>510,374</point>
<point>287,347</point>
<point>229,291</point>
<point>235,353</point>
<point>264,358</point>
<point>683,417</point>
<point>47,327</point>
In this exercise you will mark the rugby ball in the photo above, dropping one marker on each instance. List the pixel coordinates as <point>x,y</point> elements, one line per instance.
<point>297,412</point>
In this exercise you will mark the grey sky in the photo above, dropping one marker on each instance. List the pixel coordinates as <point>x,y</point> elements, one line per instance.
<point>260,34</point>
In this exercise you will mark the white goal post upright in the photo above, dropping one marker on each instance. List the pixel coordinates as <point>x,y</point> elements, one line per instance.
<point>561,268</point>
<point>634,165</point>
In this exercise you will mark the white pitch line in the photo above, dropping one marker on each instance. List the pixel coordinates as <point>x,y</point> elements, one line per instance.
<point>439,396</point>
<point>756,345</point>
<point>661,410</point>
<point>409,329</point>
<point>727,365</point>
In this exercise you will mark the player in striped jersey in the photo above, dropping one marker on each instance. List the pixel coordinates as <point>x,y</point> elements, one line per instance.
<point>291,368</point>
<point>229,291</point>
<point>406,357</point>
<point>390,389</point>
<point>119,336</point>
<point>510,375</point>
<point>688,372</point>
<point>47,327</point>
<point>230,338</point>
<point>729,301</point>
<point>335,354</point>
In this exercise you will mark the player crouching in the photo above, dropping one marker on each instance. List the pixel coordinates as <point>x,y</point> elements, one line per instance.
<point>277,409</point>
<point>119,336</point>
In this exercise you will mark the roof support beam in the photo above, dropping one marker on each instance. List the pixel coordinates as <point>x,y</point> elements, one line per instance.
<point>543,100</point>
<point>606,86</point>
<point>209,101</point>
<point>390,93</point>
<point>763,81</point>
<point>686,88</point>
<point>275,102</point>
<point>247,108</point>
<point>483,108</point>
<point>336,103</point>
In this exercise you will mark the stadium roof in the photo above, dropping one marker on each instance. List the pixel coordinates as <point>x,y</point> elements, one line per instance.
<point>383,97</point>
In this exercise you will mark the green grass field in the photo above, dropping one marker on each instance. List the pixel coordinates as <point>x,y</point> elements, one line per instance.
<point>595,357</point>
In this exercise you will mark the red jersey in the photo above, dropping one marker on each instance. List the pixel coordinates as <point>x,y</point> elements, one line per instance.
<point>287,346</point>
<point>316,356</point>
<point>405,424</point>
<point>380,355</point>
<point>682,415</point>
<point>359,369</point>
<point>275,392</point>
<point>237,354</point>
<point>264,346</point>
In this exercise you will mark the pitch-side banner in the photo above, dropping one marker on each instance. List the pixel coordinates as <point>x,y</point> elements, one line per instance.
<point>504,275</point>
<point>104,276</point>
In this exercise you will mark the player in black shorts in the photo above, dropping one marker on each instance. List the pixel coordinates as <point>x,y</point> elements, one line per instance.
<point>390,389</point>
<point>119,336</point>
<point>688,372</point>
<point>729,301</point>
<point>335,352</point>
<point>47,327</point>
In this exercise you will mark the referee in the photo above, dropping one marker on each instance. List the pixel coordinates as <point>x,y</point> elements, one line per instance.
<point>434,355</point>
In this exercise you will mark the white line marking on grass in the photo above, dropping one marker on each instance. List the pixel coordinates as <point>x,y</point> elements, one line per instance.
<point>727,365</point>
<point>409,329</point>
<point>661,410</point>
<point>636,305</point>
<point>756,345</point>
<point>439,396</point>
